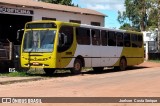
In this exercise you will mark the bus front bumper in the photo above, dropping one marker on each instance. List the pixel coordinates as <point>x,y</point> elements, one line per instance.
<point>38,63</point>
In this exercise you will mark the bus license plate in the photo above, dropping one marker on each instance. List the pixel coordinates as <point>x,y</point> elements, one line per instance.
<point>35,63</point>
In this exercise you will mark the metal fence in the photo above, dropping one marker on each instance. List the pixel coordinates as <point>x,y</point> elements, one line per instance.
<point>153,53</point>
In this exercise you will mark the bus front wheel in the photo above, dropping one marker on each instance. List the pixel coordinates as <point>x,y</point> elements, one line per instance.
<point>77,67</point>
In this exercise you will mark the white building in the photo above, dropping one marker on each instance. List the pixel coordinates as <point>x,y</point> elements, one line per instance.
<point>15,13</point>
<point>150,35</point>
<point>150,43</point>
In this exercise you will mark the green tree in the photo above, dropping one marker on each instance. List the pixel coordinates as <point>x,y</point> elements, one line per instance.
<point>63,2</point>
<point>127,26</point>
<point>125,22</point>
<point>158,24</point>
<point>153,14</point>
<point>140,13</point>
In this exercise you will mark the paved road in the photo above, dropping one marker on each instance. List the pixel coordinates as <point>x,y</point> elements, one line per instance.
<point>136,82</point>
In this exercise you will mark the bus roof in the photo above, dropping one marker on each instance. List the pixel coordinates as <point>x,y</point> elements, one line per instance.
<point>86,26</point>
<point>104,28</point>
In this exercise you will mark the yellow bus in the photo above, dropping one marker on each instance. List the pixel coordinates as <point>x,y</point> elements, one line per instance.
<point>55,45</point>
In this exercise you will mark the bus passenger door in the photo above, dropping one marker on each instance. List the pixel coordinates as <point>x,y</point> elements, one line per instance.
<point>66,46</point>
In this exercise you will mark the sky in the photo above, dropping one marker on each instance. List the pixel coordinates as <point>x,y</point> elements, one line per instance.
<point>107,7</point>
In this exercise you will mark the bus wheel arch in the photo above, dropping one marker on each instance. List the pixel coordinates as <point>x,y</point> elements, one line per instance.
<point>77,65</point>
<point>122,63</point>
<point>81,59</point>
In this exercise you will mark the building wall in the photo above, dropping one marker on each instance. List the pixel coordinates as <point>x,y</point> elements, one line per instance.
<point>67,16</point>
<point>10,9</point>
<point>61,16</point>
<point>150,35</point>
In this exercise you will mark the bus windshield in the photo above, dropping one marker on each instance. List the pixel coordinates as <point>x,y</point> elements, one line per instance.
<point>39,40</point>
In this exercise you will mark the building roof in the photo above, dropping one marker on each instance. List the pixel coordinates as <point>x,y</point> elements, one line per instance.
<point>57,7</point>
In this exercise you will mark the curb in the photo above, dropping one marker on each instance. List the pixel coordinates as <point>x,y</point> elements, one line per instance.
<point>22,80</point>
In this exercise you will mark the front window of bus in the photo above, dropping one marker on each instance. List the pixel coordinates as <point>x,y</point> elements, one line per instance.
<point>39,40</point>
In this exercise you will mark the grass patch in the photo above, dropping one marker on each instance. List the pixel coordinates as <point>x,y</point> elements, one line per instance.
<point>22,73</point>
<point>35,72</point>
<point>157,61</point>
<point>15,74</point>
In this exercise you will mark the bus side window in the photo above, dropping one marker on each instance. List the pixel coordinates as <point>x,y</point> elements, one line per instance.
<point>134,40</point>
<point>127,40</point>
<point>65,38</point>
<point>104,38</point>
<point>95,36</point>
<point>119,37</point>
<point>83,36</point>
<point>111,38</point>
<point>140,41</point>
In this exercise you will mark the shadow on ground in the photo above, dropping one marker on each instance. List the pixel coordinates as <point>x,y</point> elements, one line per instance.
<point>111,70</point>
<point>67,73</point>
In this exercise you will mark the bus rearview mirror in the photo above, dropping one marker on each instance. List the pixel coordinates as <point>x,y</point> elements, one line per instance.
<point>62,39</point>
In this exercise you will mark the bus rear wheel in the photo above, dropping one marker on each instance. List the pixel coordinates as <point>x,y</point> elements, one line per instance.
<point>49,71</point>
<point>77,67</point>
<point>122,64</point>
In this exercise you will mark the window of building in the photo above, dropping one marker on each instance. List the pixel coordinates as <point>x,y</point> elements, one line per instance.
<point>47,18</point>
<point>119,37</point>
<point>111,38</point>
<point>83,36</point>
<point>95,36</point>
<point>127,40</point>
<point>65,38</point>
<point>76,21</point>
<point>134,40</point>
<point>148,34</point>
<point>96,23</point>
<point>104,36</point>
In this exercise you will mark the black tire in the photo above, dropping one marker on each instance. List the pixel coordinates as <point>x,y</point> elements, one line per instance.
<point>77,67</point>
<point>49,71</point>
<point>98,69</point>
<point>122,64</point>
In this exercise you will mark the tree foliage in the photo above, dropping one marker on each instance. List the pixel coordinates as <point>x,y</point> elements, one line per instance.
<point>127,26</point>
<point>141,14</point>
<point>63,2</point>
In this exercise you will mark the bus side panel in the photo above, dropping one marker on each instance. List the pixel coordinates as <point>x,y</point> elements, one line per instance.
<point>132,57</point>
<point>85,52</point>
<point>110,55</point>
<point>107,56</point>
<point>65,58</point>
<point>95,54</point>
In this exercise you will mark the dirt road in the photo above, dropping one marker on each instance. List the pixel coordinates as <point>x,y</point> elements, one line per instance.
<point>139,81</point>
